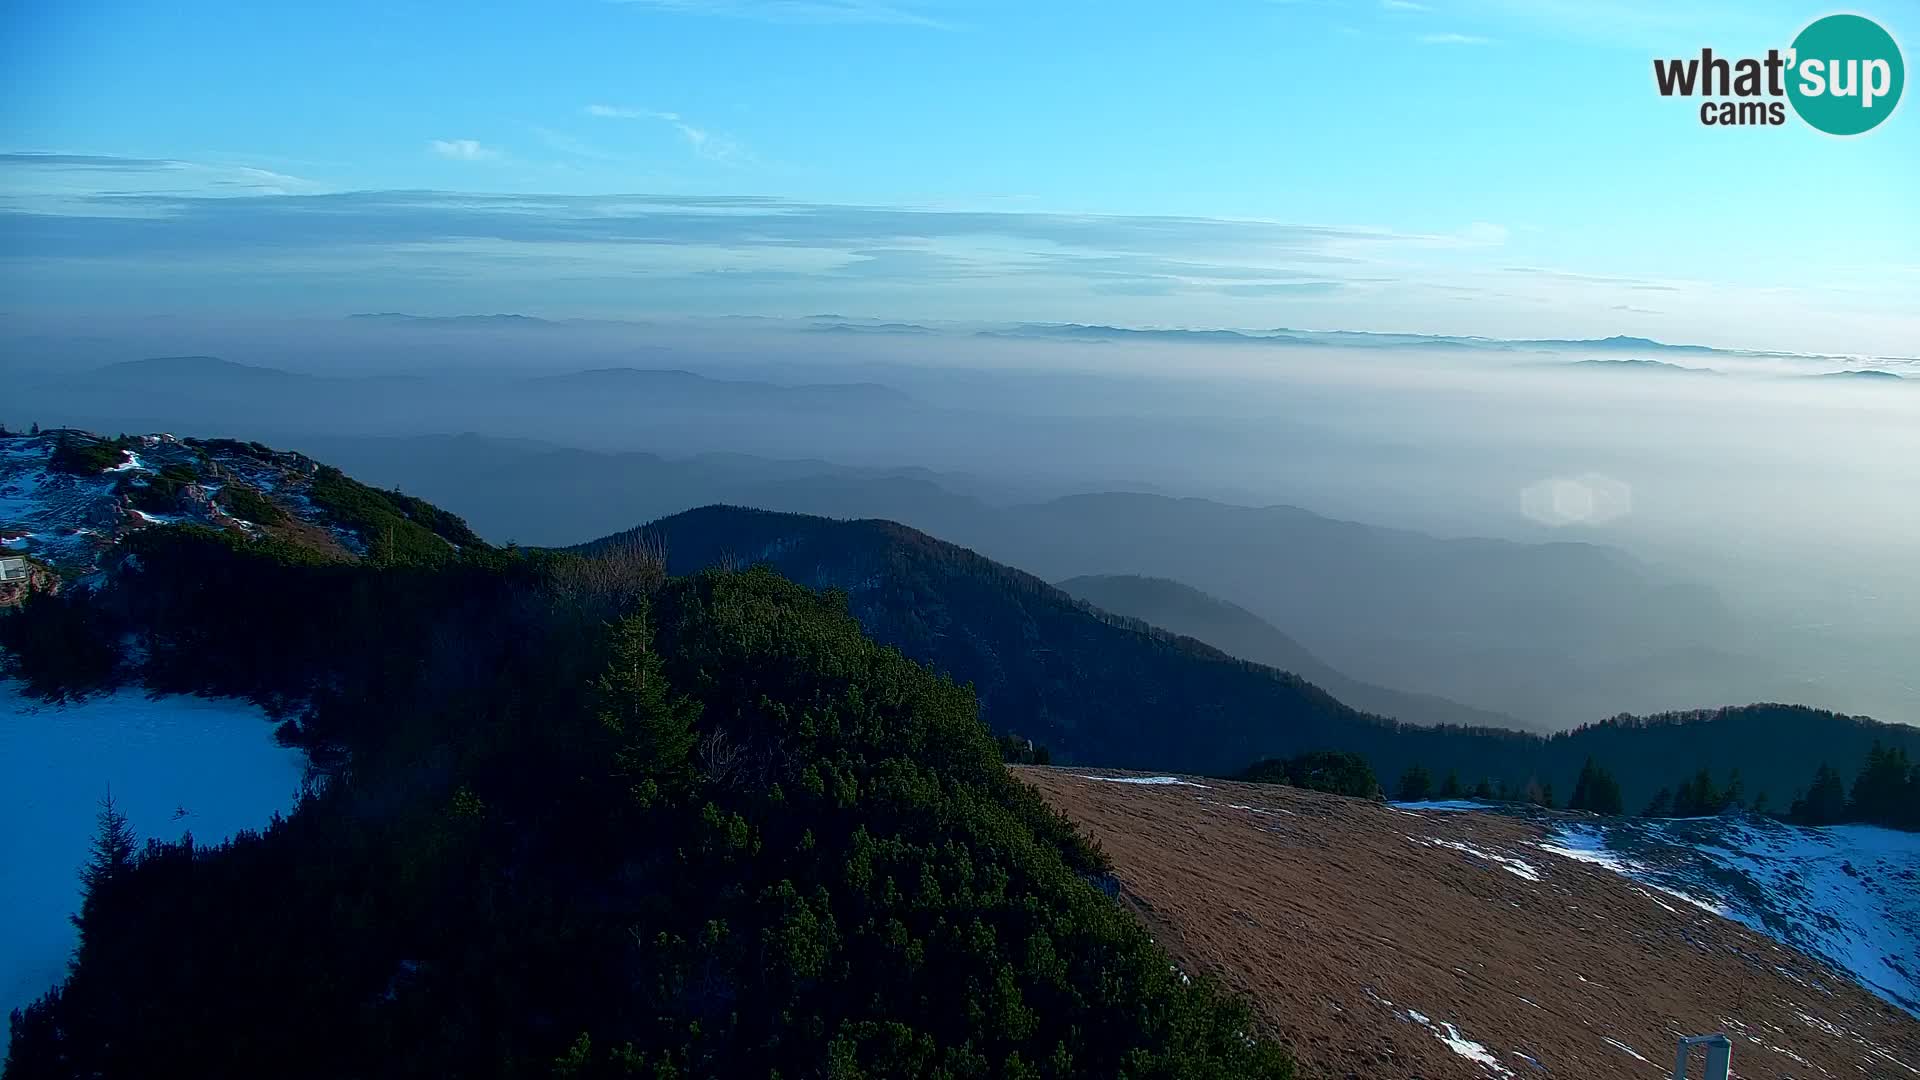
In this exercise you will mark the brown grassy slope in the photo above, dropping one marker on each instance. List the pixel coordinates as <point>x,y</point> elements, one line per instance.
<point>1338,916</point>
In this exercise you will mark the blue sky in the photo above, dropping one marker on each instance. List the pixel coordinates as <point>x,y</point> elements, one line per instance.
<point>1500,167</point>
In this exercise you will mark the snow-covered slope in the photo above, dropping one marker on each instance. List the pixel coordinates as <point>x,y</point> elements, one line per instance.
<point>1846,894</point>
<point>174,765</point>
<point>66,517</point>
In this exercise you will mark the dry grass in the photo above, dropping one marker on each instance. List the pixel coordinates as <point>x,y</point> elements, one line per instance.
<point>1337,916</point>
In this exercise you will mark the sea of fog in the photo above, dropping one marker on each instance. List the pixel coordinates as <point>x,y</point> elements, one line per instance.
<point>1782,482</point>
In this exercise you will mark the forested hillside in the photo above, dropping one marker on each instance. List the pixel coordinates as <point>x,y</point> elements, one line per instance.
<point>1100,689</point>
<point>571,818</point>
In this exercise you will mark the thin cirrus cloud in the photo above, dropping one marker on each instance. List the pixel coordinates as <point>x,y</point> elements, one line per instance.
<point>743,239</point>
<point>88,162</point>
<point>1589,279</point>
<point>187,224</point>
<point>704,143</point>
<point>75,228</point>
<point>1454,39</point>
<point>39,173</point>
<point>1403,5</point>
<point>462,149</point>
<point>726,252</point>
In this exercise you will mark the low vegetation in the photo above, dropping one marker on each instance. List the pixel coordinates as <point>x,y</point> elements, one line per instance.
<point>397,528</point>
<point>1333,772</point>
<point>1885,791</point>
<point>162,491</point>
<point>249,505</point>
<point>82,455</point>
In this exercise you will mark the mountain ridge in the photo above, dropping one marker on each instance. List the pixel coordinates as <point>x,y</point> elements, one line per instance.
<point>1103,690</point>
<point>1184,610</point>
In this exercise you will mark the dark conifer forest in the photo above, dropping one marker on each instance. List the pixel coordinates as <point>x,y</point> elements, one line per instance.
<point>570,815</point>
<point>572,818</point>
<point>1100,689</point>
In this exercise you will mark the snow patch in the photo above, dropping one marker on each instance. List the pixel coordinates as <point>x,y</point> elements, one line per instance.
<point>214,758</point>
<point>1586,844</point>
<point>1618,1045</point>
<point>1828,1028</point>
<point>1441,805</point>
<point>1462,1045</point>
<point>1157,780</point>
<point>1531,1060</point>
<point>73,521</point>
<point>1519,868</point>
<point>1471,1050</point>
<point>1843,894</point>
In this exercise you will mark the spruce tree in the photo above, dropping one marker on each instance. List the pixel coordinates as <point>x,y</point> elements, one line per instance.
<point>1596,790</point>
<point>112,849</point>
<point>1415,784</point>
<point>654,726</point>
<point>1661,805</point>
<point>1825,803</point>
<point>109,860</point>
<point>1880,789</point>
<point>1699,797</point>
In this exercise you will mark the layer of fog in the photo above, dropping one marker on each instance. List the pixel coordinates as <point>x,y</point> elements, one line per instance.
<point>1794,497</point>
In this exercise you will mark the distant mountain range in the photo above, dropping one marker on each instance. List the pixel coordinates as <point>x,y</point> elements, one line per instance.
<point>1655,366</point>
<point>1236,631</point>
<point>493,322</point>
<point>1098,332</point>
<point>1357,339</point>
<point>161,368</point>
<point>1551,634</point>
<point>206,393</point>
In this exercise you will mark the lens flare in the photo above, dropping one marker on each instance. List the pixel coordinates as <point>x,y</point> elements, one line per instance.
<point>1586,499</point>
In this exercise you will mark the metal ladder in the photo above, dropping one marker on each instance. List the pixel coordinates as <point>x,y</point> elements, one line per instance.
<point>1719,1056</point>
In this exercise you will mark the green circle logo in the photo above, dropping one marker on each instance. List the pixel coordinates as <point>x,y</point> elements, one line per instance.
<point>1846,74</point>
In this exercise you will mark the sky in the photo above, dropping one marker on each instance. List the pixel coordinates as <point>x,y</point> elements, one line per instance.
<point>1495,167</point>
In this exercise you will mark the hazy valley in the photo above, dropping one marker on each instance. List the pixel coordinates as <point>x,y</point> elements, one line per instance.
<point>1160,616</point>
